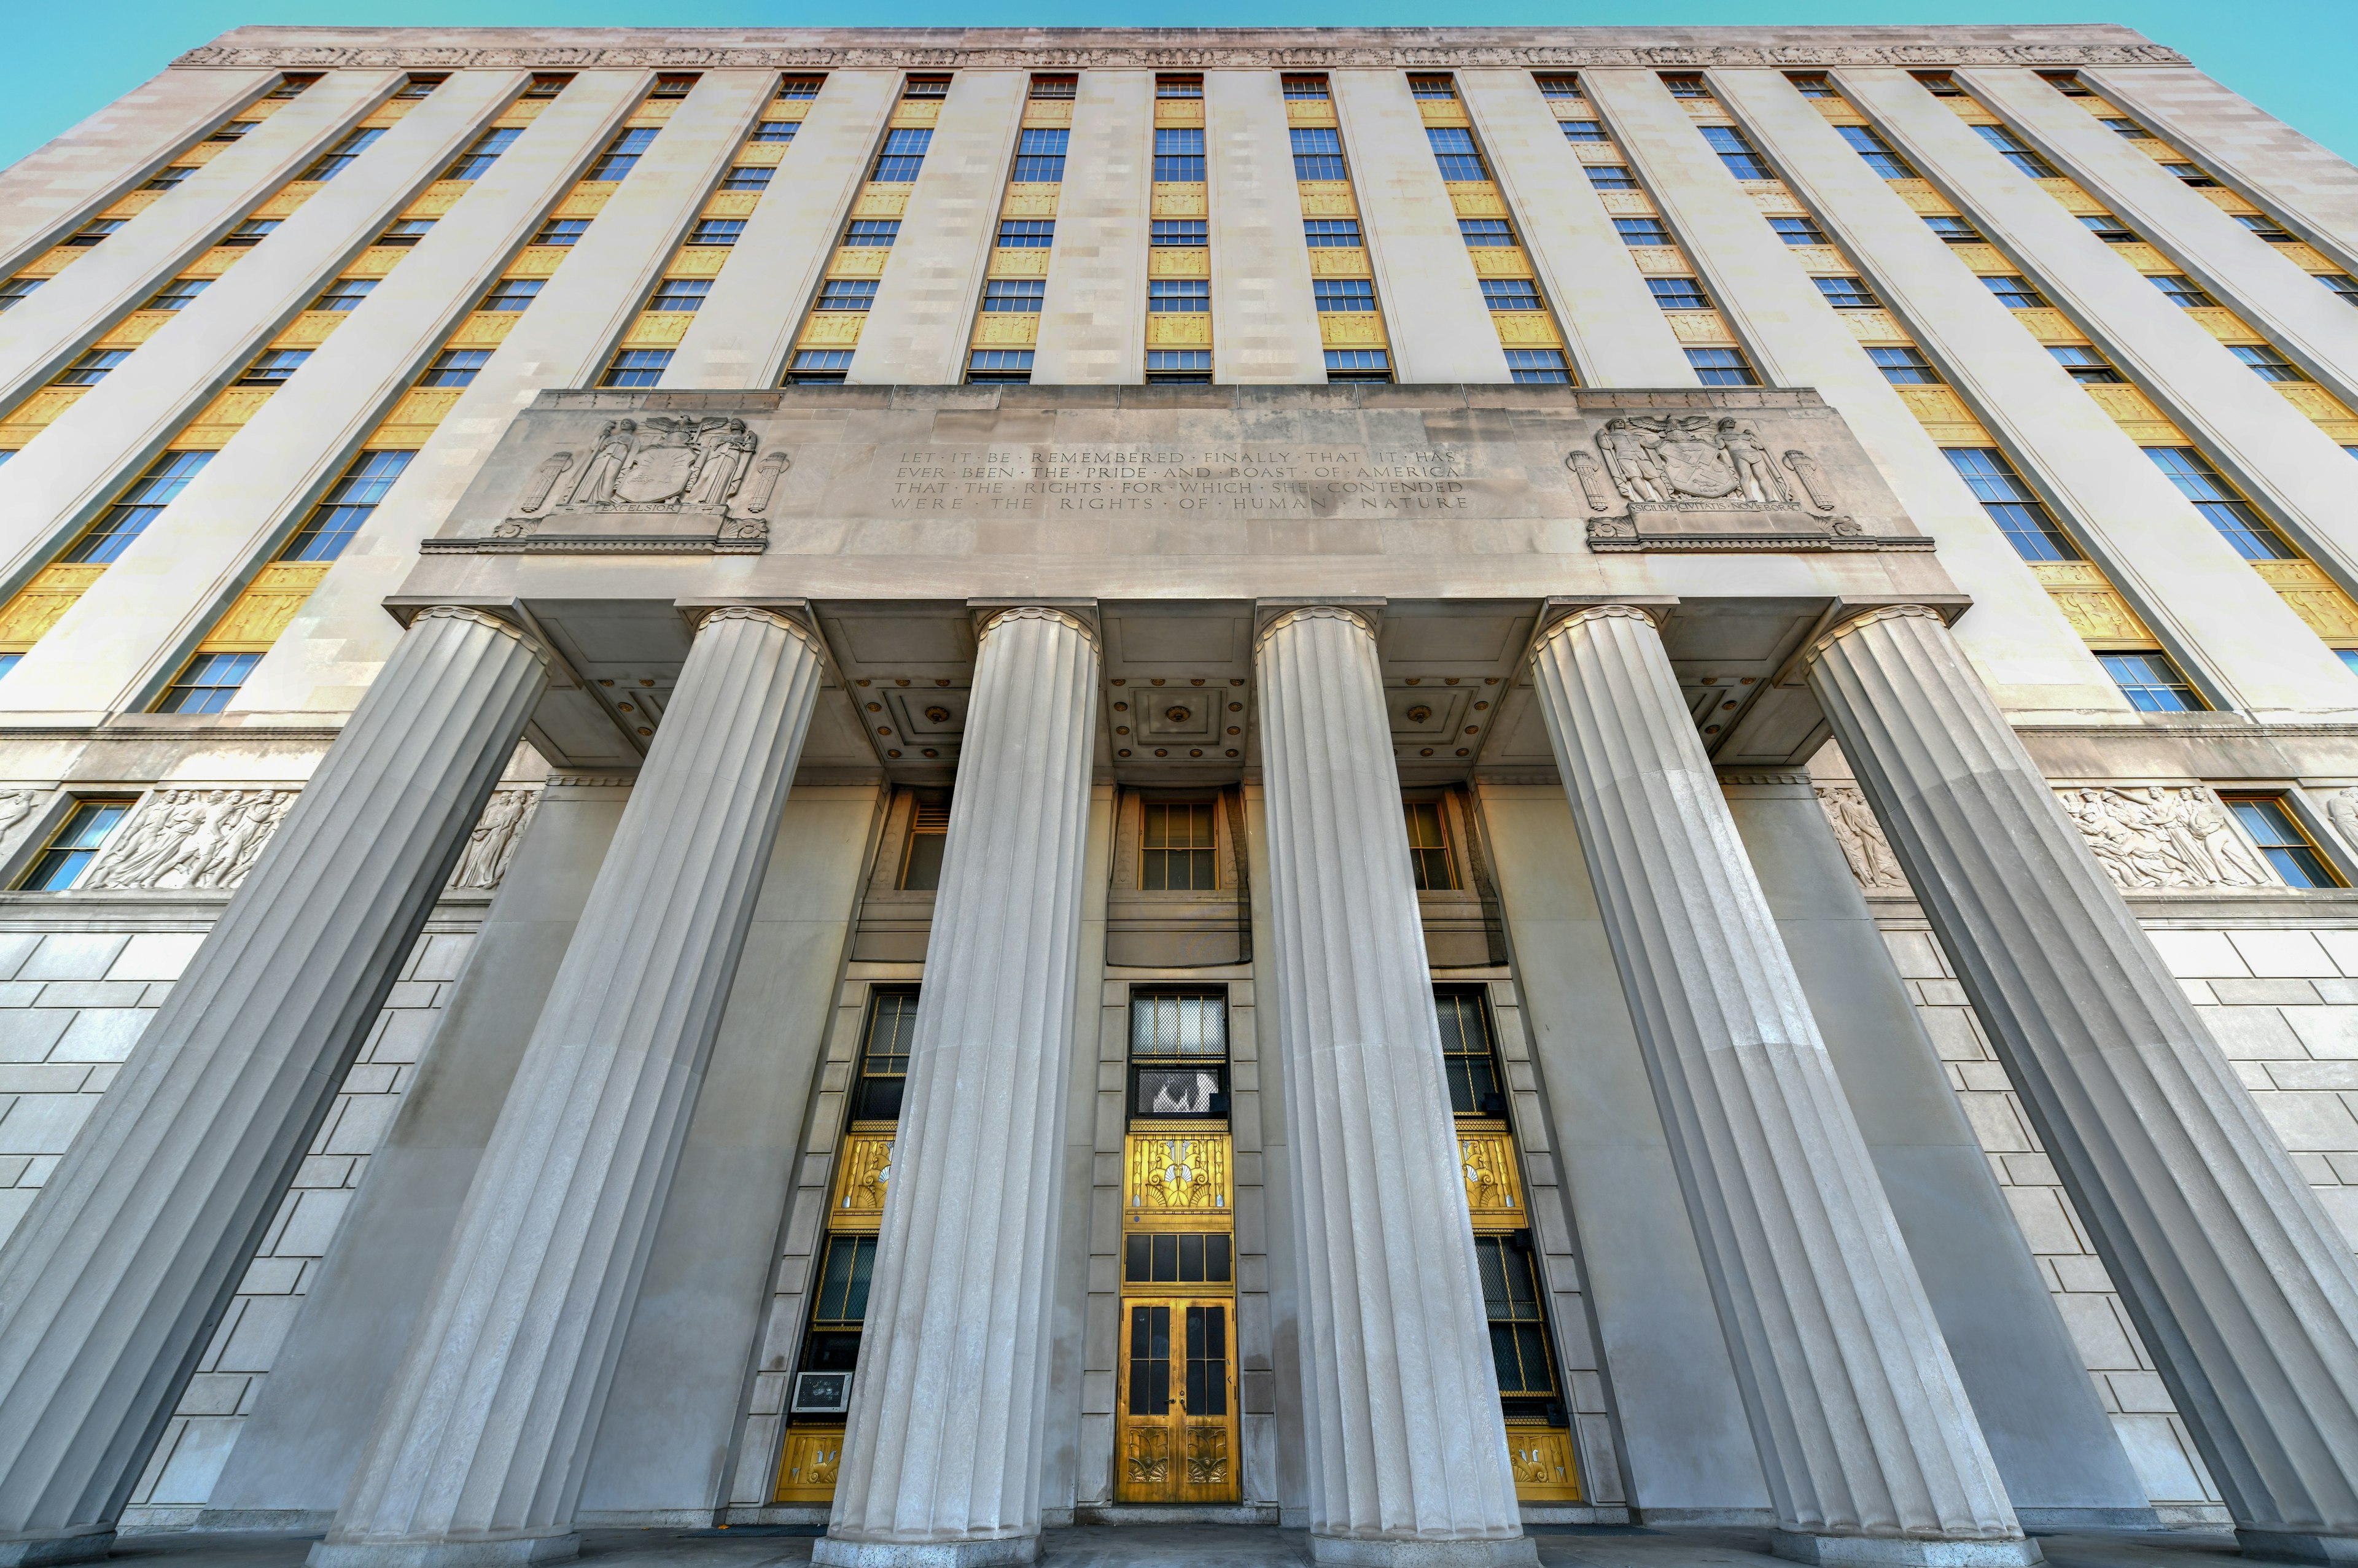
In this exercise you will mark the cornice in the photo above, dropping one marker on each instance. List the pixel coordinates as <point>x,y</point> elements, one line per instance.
<point>1237,48</point>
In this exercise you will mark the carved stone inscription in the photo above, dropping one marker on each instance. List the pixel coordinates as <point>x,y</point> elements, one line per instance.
<point>1300,480</point>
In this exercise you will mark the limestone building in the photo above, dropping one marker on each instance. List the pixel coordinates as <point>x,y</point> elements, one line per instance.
<point>1504,775</point>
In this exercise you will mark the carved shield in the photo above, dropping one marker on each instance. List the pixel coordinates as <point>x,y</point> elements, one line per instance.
<point>658,474</point>
<point>1695,468</point>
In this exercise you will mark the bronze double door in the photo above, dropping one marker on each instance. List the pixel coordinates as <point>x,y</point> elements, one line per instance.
<point>1177,1428</point>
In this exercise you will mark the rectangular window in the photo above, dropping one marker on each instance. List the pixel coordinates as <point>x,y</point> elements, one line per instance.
<point>847,294</point>
<point>1847,293</point>
<point>1168,295</point>
<point>408,232</point>
<point>2181,291</point>
<point>1486,234</point>
<point>1510,1300</point>
<point>1557,89</point>
<point>819,367</point>
<point>291,86</point>
<point>1305,89</point>
<point>1905,367</point>
<point>340,158</point>
<point>1543,367</point>
<point>2277,835</point>
<point>1510,294</point>
<point>2086,365</point>
<point>2121,126</point>
<point>1318,154</point>
<point>547,86</point>
<point>90,368</point>
<point>1467,1060</point>
<point>1939,84</point>
<point>1432,89</point>
<point>776,130</point>
<point>2340,283</point>
<point>2012,148</point>
<point>177,294</point>
<point>234,131</point>
<point>1178,87</point>
<point>347,504</point>
<point>75,844</point>
<point>476,160</point>
<point>1027,233</point>
<point>1176,848</point>
<point>562,232</point>
<point>884,1051</point>
<point>1742,158</point>
<point>1346,366</point>
<point>1040,156</point>
<point>1814,84</point>
<point>512,294</point>
<point>1179,1024</point>
<point>1640,230</point>
<point>2068,83</point>
<point>1349,294</point>
<point>17,290</point>
<point>1678,293</point>
<point>1016,293</point>
<point>1723,367</point>
<point>1610,177</point>
<point>1798,231</point>
<point>271,367</point>
<point>166,178</point>
<point>843,1279</point>
<point>96,233</point>
<point>1179,155</point>
<point>1428,848</point>
<point>420,86</point>
<point>635,369</point>
<point>1013,366</point>
<point>1178,1087</point>
<point>673,87</point>
<point>1179,366</point>
<point>2265,363</point>
<point>2108,228</point>
<point>253,231</point>
<point>748,177</point>
<point>2152,682</point>
<point>1454,150</point>
<point>2189,175</point>
<point>2013,505</point>
<point>1056,87</point>
<point>680,294</point>
<point>2014,293</point>
<point>455,367</point>
<point>1877,152</point>
<point>925,87</point>
<point>1184,232</point>
<point>2265,227</point>
<point>2238,522</point>
<point>1582,130</point>
<point>1957,230</point>
<point>206,683</point>
<point>1332,234</point>
<point>344,294</point>
<point>717,232</point>
<point>622,155</point>
<point>872,234</point>
<point>1177,1260</point>
<point>929,829</point>
<point>1685,84</point>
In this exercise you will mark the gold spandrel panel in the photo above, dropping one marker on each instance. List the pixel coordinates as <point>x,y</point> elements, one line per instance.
<point>1778,201</point>
<point>522,112</point>
<point>860,261</point>
<point>1699,327</point>
<point>832,329</point>
<point>1475,199</point>
<point>310,328</point>
<point>1661,260</point>
<point>1174,199</point>
<point>1174,329</point>
<point>1326,198</point>
<point>2138,254</point>
<point>807,1465</point>
<point>731,203</point>
<point>767,155</point>
<point>1981,259</point>
<point>863,1172</point>
<point>1819,259</point>
<point>287,197</point>
<point>1350,328</point>
<point>1010,261</point>
<point>1177,1179</point>
<point>1704,109</point>
<point>1943,414</point>
<point>44,407</point>
<point>376,261</point>
<point>699,261</point>
<point>655,111</point>
<point>485,329</point>
<point>1310,112</point>
<point>1043,112</point>
<point>2314,401</point>
<point>1526,329</point>
<point>1875,326</point>
<point>1544,1469</point>
<point>1443,111</point>
<point>1030,198</point>
<point>262,612</point>
<point>1195,260</point>
<point>437,199</point>
<point>1497,261</point>
<point>131,202</point>
<point>427,405</point>
<point>1006,329</point>
<point>657,328</point>
<point>2309,593</point>
<point>881,202</point>
<point>1596,152</point>
<point>2091,605</point>
<point>1628,203</point>
<point>1917,194</point>
<point>2135,413</point>
<point>2050,326</point>
<point>1179,111</point>
<point>1494,1189</point>
<point>2227,201</point>
<point>2223,324</point>
<point>2305,257</point>
<point>38,604</point>
<point>2074,200</point>
<point>233,408</point>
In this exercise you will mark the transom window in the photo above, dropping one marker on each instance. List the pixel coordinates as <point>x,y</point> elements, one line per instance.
<point>1468,1059</point>
<point>1182,1260</point>
<point>884,1048</point>
<point>843,1281</point>
<point>1178,1053</point>
<point>1429,862</point>
<point>1178,849</point>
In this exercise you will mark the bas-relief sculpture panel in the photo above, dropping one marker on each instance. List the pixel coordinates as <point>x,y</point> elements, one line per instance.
<point>1169,470</point>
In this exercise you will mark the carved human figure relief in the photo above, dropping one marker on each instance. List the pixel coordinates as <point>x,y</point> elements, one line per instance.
<point>1872,862</point>
<point>1755,469</point>
<point>191,839</point>
<point>1630,460</point>
<point>1814,483</point>
<point>1591,474</point>
<point>2158,838</point>
<point>727,450</point>
<point>597,483</point>
<point>544,480</point>
<point>2342,811</point>
<point>497,833</point>
<point>16,805</point>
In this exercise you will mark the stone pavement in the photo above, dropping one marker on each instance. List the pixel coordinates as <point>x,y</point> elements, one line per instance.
<point>1561,1546</point>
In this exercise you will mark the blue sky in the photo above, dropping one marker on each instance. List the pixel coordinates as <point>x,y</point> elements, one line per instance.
<point>2294,58</point>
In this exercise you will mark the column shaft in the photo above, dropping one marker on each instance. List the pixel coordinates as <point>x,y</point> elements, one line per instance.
<point>942,1456</point>
<point>479,1452</point>
<point>2243,1290</point>
<point>1862,1428</point>
<point>115,1280</point>
<point>1405,1445</point>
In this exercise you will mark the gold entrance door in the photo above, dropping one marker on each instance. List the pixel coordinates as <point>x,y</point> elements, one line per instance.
<point>1176,1435</point>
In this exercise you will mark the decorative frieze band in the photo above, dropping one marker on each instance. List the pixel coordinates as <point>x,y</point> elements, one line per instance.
<point>776,57</point>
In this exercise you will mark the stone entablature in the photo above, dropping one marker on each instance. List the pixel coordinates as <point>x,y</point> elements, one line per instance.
<point>1175,48</point>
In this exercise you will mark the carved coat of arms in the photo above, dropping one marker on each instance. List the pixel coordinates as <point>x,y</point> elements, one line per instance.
<point>679,465</point>
<point>1662,468</point>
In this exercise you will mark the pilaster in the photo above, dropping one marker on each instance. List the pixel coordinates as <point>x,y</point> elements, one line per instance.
<point>1090,327</point>
<point>110,1285</point>
<point>1264,320</point>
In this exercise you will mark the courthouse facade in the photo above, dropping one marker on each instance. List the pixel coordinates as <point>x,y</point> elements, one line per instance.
<point>1402,781</point>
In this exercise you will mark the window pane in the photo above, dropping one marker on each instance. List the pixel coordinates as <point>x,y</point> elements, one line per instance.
<point>347,504</point>
<point>1467,1060</point>
<point>2280,839</point>
<point>1179,1024</point>
<point>1177,850</point>
<point>2253,538</point>
<point>137,507</point>
<point>76,843</point>
<point>2151,683</point>
<point>208,683</point>
<point>1428,847</point>
<point>2013,505</point>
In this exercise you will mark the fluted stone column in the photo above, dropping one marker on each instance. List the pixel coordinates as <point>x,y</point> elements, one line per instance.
<point>1403,1439</point>
<point>480,1450</point>
<point>2240,1286</point>
<point>1871,1449</point>
<point>112,1283</point>
<point>942,1454</point>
